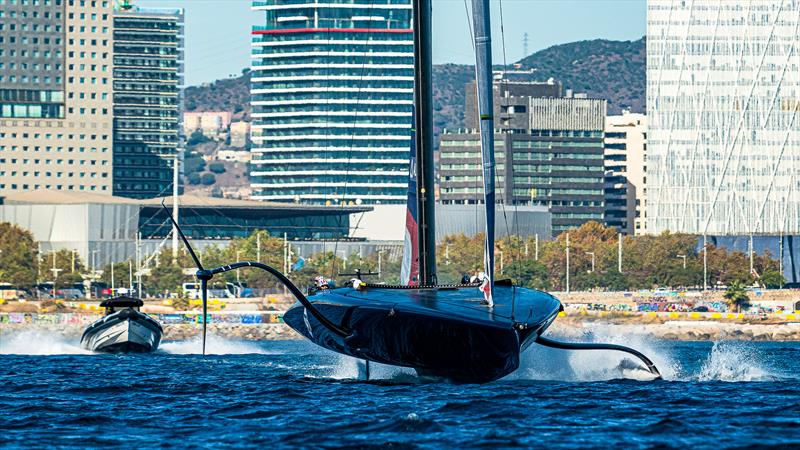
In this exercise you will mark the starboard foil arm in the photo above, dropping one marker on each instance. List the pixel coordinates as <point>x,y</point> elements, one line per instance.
<point>597,346</point>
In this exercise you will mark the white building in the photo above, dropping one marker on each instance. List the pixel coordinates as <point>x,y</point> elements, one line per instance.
<point>625,153</point>
<point>331,94</point>
<point>723,93</point>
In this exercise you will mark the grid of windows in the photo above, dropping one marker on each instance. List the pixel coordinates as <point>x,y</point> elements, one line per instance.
<point>331,98</point>
<point>723,99</point>
<point>148,66</point>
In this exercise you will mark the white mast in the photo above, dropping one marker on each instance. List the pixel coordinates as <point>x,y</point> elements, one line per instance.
<point>483,72</point>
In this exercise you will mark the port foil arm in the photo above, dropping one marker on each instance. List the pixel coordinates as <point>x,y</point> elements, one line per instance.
<point>297,293</point>
<point>596,346</point>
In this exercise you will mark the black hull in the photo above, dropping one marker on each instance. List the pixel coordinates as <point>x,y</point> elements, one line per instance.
<point>126,347</point>
<point>440,332</point>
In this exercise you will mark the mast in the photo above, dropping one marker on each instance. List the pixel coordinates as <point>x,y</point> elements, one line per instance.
<point>423,103</point>
<point>175,173</point>
<point>483,73</point>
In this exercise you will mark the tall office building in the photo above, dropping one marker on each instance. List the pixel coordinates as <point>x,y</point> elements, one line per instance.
<point>548,151</point>
<point>332,92</point>
<point>625,155</point>
<point>55,95</point>
<point>723,99</point>
<point>148,77</point>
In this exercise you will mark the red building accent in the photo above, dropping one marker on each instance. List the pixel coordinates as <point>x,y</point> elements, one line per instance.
<point>334,30</point>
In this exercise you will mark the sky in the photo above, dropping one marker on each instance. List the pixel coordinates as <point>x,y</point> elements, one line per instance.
<point>218,31</point>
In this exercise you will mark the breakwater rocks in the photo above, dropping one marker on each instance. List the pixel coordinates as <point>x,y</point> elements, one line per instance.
<point>681,330</point>
<point>574,327</point>
<point>254,332</point>
<point>172,332</point>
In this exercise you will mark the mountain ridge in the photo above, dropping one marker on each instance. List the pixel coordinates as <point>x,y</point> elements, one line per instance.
<point>600,68</point>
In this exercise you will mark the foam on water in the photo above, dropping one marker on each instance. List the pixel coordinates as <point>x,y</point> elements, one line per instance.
<point>215,345</point>
<point>733,361</point>
<point>39,343</point>
<point>542,363</point>
<point>349,368</point>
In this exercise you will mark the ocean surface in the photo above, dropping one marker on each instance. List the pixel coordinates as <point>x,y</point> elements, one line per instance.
<point>293,394</point>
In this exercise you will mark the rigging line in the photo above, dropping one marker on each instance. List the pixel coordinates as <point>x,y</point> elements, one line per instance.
<point>128,222</point>
<point>509,165</point>
<point>475,57</point>
<point>327,121</point>
<point>352,138</point>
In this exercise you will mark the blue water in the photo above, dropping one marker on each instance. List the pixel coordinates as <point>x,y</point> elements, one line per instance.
<point>292,394</point>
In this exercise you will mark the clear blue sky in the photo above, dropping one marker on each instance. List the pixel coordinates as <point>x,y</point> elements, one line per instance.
<point>218,31</point>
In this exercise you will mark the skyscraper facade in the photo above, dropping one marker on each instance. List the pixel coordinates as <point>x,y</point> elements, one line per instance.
<point>548,152</point>
<point>625,148</point>
<point>331,95</point>
<point>89,97</point>
<point>723,96</point>
<point>56,95</point>
<point>148,77</point>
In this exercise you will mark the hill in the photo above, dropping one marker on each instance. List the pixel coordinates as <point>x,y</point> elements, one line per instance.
<point>614,70</point>
<point>229,94</point>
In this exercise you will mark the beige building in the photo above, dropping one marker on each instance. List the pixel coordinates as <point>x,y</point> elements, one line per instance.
<point>240,134</point>
<point>625,157</point>
<point>56,98</point>
<point>211,123</point>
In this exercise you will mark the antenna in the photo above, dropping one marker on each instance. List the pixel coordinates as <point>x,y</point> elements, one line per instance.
<point>525,45</point>
<point>202,274</point>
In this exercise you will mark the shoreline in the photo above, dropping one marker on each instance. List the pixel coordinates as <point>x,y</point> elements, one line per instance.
<point>566,327</point>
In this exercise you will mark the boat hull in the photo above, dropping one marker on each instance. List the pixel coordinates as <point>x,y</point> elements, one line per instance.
<point>125,331</point>
<point>439,332</point>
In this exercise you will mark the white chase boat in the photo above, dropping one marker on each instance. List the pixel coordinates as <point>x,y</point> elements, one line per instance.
<point>124,329</point>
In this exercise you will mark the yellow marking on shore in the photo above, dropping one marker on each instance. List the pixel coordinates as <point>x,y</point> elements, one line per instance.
<point>790,317</point>
<point>674,315</point>
<point>716,315</point>
<point>694,315</point>
<point>652,314</point>
<point>562,314</point>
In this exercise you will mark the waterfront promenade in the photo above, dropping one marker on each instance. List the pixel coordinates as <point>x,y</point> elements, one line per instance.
<point>660,314</point>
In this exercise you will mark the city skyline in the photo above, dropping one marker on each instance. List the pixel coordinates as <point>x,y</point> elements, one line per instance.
<point>216,50</point>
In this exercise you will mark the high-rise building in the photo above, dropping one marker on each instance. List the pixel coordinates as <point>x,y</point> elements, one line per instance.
<point>148,77</point>
<point>331,94</point>
<point>723,99</point>
<point>625,154</point>
<point>548,151</point>
<point>56,95</point>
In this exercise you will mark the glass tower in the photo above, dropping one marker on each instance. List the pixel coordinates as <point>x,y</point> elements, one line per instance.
<point>148,76</point>
<point>331,94</point>
<point>723,94</point>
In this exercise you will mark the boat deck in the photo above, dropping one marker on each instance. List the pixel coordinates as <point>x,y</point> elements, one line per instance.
<point>511,304</point>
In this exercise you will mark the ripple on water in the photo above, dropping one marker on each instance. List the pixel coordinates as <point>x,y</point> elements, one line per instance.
<point>296,395</point>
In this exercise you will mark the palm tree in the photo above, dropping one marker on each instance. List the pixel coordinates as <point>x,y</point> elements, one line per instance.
<point>737,296</point>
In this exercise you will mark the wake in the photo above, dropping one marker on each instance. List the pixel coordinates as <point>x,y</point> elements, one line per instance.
<point>39,343</point>
<point>728,361</point>
<point>215,345</point>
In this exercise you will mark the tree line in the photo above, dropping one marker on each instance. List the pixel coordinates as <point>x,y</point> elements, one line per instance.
<point>667,260</point>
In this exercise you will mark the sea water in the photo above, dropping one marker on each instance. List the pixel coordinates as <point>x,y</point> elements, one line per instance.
<point>294,394</point>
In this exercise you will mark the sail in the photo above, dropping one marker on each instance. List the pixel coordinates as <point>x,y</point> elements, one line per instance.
<point>483,72</point>
<point>409,272</point>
